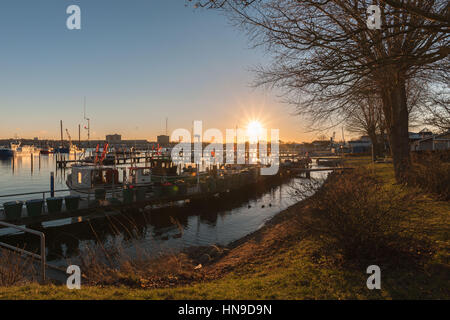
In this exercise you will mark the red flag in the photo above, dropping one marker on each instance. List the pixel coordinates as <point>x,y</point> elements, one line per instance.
<point>105,149</point>
<point>96,154</point>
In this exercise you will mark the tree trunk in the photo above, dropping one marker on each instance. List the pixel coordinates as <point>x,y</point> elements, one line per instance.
<point>396,113</point>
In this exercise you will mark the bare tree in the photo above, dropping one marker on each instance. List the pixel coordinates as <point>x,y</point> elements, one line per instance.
<point>440,14</point>
<point>437,108</point>
<point>323,53</point>
<point>366,118</point>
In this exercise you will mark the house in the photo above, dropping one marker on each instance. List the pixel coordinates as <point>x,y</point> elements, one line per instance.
<point>113,138</point>
<point>416,137</point>
<point>163,140</point>
<point>362,145</point>
<point>433,142</point>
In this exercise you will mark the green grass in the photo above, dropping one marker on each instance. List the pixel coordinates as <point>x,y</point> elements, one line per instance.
<point>292,272</point>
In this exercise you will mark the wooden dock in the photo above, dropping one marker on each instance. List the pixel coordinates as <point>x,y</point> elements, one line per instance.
<point>63,163</point>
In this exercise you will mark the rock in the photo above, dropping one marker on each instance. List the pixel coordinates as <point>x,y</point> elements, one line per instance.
<point>205,258</point>
<point>215,251</point>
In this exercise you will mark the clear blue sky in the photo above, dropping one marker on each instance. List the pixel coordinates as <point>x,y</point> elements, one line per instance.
<point>136,61</point>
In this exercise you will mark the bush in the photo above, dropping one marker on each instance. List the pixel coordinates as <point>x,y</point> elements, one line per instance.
<point>431,173</point>
<point>360,220</point>
<point>114,266</point>
<point>15,269</point>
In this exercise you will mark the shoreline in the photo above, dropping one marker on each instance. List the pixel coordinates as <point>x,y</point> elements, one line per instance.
<point>200,264</point>
<point>284,259</point>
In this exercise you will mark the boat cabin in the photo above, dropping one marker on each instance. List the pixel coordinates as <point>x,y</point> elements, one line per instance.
<point>163,167</point>
<point>140,175</point>
<point>87,177</point>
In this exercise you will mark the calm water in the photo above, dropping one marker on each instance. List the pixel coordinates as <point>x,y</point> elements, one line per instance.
<point>206,222</point>
<point>22,175</point>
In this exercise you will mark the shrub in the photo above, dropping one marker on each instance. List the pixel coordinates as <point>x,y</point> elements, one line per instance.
<point>431,173</point>
<point>15,269</point>
<point>361,220</point>
<point>114,266</point>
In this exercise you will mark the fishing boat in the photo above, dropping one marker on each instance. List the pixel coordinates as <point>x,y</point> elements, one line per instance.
<point>20,149</point>
<point>62,149</point>
<point>6,152</point>
<point>46,150</point>
<point>86,179</point>
<point>109,159</point>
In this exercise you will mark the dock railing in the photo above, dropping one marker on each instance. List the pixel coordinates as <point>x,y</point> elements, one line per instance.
<point>23,251</point>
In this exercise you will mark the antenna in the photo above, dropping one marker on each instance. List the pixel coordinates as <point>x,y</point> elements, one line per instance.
<point>88,120</point>
<point>167,119</point>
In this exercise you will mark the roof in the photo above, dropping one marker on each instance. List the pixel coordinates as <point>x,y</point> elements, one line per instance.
<point>438,137</point>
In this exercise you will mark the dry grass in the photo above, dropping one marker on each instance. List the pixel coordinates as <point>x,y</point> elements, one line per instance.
<point>115,267</point>
<point>431,172</point>
<point>15,269</point>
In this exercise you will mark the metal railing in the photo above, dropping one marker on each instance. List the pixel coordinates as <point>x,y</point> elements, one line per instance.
<point>36,256</point>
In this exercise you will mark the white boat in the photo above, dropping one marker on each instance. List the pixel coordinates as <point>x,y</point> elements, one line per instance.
<point>75,150</point>
<point>19,149</point>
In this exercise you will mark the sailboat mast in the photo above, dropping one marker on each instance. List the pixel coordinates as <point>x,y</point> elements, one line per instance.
<point>61,127</point>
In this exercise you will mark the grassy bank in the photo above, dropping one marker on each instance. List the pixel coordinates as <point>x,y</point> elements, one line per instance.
<point>288,260</point>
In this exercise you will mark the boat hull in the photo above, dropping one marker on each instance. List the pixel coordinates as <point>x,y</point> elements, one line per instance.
<point>62,150</point>
<point>6,153</point>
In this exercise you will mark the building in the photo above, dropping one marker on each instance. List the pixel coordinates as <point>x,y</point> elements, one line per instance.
<point>363,145</point>
<point>433,143</point>
<point>415,137</point>
<point>163,140</point>
<point>113,138</point>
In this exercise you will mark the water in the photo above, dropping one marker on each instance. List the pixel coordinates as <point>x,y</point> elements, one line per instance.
<point>21,174</point>
<point>200,223</point>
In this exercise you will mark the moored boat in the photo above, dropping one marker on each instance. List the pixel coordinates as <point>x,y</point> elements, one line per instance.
<point>46,150</point>
<point>86,179</point>
<point>20,149</point>
<point>6,152</point>
<point>61,149</point>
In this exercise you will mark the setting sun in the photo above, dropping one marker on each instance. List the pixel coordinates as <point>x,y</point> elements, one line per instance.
<point>254,130</point>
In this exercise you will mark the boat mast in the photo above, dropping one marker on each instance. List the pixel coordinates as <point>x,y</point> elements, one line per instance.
<point>89,123</point>
<point>61,127</point>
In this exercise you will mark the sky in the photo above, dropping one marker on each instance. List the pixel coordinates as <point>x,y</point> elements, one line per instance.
<point>136,62</point>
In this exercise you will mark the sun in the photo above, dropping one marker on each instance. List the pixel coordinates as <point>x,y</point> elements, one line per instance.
<point>254,130</point>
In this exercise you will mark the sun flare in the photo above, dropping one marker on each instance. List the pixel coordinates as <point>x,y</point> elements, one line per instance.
<point>254,130</point>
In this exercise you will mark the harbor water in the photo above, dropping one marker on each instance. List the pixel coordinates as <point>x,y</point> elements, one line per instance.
<point>155,230</point>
